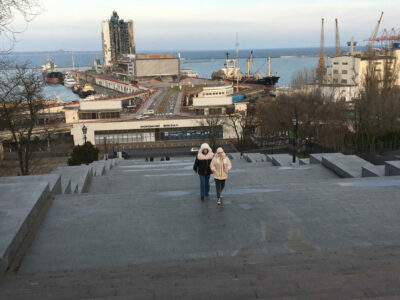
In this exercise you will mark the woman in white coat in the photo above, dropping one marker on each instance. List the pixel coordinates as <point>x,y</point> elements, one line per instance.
<point>220,166</point>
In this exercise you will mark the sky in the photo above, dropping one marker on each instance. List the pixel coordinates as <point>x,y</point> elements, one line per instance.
<point>173,25</point>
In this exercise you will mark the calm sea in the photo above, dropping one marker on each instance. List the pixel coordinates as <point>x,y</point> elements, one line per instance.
<point>286,62</point>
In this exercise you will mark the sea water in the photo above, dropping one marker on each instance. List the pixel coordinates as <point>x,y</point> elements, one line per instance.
<point>285,62</point>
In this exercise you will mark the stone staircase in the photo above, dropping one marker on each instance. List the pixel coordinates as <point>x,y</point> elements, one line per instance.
<point>139,230</point>
<point>22,199</point>
<point>345,166</point>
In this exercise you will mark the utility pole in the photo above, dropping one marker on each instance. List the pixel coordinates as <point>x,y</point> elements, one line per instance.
<point>237,62</point>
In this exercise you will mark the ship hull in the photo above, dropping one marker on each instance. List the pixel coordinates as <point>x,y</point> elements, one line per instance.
<point>54,78</point>
<point>268,80</point>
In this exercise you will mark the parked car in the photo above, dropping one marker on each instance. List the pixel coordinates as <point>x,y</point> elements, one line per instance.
<point>125,154</point>
<point>194,150</point>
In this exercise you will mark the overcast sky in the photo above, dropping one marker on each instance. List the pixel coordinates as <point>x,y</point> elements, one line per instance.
<point>205,25</point>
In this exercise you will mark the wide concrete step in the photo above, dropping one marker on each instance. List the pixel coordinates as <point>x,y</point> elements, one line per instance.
<point>316,158</point>
<point>20,204</point>
<point>254,157</point>
<point>357,273</point>
<point>281,159</point>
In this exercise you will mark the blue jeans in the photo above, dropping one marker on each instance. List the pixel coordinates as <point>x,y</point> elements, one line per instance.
<point>204,185</point>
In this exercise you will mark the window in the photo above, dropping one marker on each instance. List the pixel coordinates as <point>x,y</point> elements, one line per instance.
<point>335,71</point>
<point>344,71</point>
<point>345,63</point>
<point>335,63</point>
<point>335,80</point>
<point>344,81</point>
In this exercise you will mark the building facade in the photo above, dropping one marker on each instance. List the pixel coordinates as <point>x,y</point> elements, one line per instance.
<point>347,73</point>
<point>133,133</point>
<point>118,39</point>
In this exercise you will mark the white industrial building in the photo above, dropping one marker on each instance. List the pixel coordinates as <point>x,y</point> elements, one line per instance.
<point>347,73</point>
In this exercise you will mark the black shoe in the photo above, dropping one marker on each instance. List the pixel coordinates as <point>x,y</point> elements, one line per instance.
<point>206,195</point>
<point>202,198</point>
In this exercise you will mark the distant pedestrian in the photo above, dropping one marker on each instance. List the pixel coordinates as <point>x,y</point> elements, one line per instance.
<point>202,167</point>
<point>147,159</point>
<point>220,166</point>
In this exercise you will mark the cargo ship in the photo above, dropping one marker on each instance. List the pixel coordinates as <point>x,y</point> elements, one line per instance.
<point>50,74</point>
<point>231,72</point>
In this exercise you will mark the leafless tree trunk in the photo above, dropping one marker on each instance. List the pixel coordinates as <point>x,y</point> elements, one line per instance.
<point>20,102</point>
<point>9,9</point>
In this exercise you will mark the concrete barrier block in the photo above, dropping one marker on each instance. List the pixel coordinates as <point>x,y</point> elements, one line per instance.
<point>373,171</point>
<point>80,177</point>
<point>304,161</point>
<point>66,185</point>
<point>346,166</point>
<point>54,181</point>
<point>20,205</point>
<point>392,168</point>
<point>281,159</point>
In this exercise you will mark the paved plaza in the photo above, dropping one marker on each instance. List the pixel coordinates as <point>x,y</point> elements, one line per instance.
<point>295,231</point>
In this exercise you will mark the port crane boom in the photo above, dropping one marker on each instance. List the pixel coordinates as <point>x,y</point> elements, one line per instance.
<point>371,44</point>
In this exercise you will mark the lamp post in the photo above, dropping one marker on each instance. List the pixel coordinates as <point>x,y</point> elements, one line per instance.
<point>294,122</point>
<point>84,131</point>
<point>105,149</point>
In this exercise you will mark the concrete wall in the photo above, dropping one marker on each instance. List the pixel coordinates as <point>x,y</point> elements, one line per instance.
<point>101,105</point>
<point>214,101</point>
<point>157,67</point>
<point>71,115</point>
<point>116,85</point>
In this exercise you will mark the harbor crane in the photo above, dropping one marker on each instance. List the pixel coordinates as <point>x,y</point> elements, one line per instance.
<point>373,38</point>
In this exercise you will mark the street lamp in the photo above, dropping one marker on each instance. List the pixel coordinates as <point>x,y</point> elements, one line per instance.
<point>294,122</point>
<point>84,131</point>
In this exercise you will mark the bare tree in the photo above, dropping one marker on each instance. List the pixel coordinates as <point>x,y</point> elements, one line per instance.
<point>9,9</point>
<point>213,124</point>
<point>20,103</point>
<point>236,122</point>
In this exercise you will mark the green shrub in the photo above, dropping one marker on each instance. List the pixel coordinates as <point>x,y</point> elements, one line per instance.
<point>84,154</point>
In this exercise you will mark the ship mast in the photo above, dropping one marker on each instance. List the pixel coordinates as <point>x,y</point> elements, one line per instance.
<point>249,60</point>
<point>237,62</point>
<point>269,66</point>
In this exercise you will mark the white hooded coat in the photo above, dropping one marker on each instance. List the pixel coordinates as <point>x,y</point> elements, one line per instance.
<point>200,154</point>
<point>220,165</point>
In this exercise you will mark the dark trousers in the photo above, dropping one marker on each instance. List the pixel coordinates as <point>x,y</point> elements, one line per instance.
<point>219,186</point>
<point>204,185</point>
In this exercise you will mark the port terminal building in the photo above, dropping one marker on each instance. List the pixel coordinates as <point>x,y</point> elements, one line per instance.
<point>150,132</point>
<point>110,122</point>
